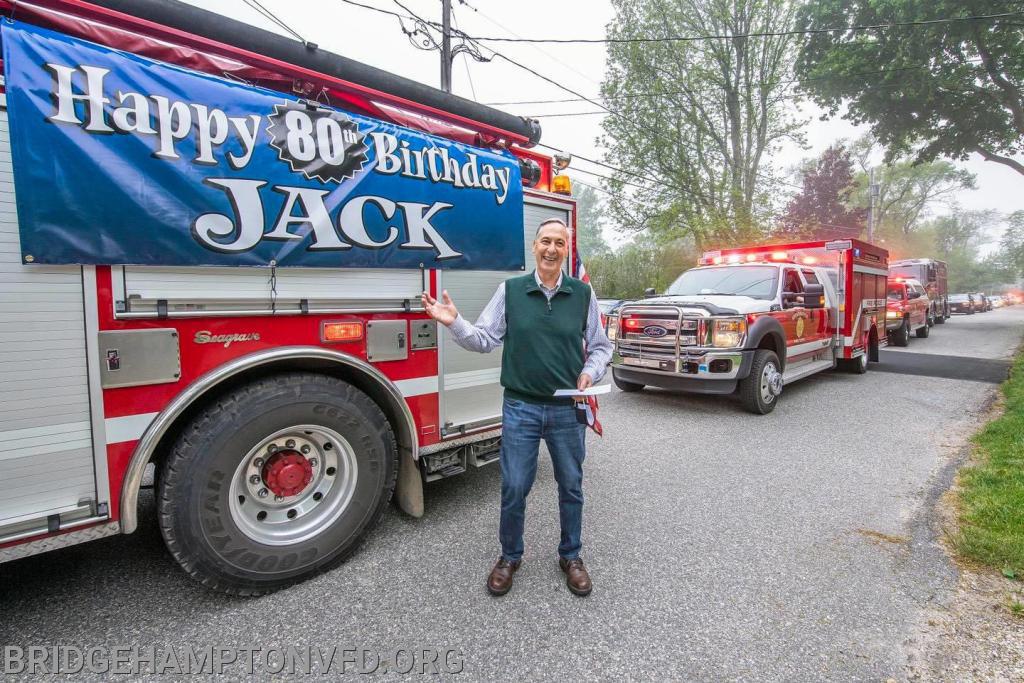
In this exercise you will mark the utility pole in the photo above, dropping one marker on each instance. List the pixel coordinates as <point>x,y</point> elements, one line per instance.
<point>873,197</point>
<point>446,45</point>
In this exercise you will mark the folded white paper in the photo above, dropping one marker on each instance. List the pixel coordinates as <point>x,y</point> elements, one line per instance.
<point>591,391</point>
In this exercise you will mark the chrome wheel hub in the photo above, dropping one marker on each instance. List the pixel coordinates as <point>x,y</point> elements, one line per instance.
<point>771,382</point>
<point>293,484</point>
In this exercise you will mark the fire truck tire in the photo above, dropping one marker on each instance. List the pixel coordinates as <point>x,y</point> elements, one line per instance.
<point>277,481</point>
<point>857,366</point>
<point>901,336</point>
<point>759,391</point>
<point>628,387</point>
<point>923,332</point>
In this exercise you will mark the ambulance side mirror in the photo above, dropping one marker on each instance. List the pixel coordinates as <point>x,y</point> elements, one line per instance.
<point>814,296</point>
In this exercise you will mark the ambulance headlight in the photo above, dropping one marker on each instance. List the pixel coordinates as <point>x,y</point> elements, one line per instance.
<point>613,327</point>
<point>892,315</point>
<point>728,332</point>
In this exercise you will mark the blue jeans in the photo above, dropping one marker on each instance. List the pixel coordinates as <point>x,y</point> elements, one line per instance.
<point>523,426</point>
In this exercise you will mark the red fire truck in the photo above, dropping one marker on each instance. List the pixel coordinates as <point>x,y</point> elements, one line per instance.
<point>932,276</point>
<point>280,407</point>
<point>754,319</point>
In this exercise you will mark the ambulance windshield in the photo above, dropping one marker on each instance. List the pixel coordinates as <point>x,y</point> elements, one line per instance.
<point>757,282</point>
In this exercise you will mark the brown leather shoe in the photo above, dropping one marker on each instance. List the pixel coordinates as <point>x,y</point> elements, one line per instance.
<point>576,576</point>
<point>500,580</point>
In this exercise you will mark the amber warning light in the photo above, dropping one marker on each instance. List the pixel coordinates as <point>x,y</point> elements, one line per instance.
<point>341,332</point>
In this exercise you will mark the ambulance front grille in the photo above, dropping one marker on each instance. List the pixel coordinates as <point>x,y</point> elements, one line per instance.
<point>642,340</point>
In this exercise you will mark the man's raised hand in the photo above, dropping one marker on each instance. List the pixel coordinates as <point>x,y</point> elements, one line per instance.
<point>443,311</point>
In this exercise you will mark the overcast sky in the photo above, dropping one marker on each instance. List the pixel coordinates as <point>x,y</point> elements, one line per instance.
<point>377,39</point>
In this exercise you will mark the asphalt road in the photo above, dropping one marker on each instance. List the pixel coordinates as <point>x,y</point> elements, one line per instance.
<point>794,546</point>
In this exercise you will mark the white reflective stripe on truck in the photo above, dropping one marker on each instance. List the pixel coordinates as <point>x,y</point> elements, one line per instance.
<point>131,427</point>
<point>870,270</point>
<point>127,428</point>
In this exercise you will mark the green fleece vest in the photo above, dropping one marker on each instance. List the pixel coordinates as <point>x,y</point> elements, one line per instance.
<point>543,345</point>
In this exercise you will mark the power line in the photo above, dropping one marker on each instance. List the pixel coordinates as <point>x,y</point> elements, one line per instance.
<point>796,81</point>
<point>574,113</point>
<point>255,4</point>
<point>611,168</point>
<point>544,52</point>
<point>763,34</point>
<point>385,11</point>
<point>595,103</point>
<point>781,96</point>
<point>617,114</point>
<point>465,57</point>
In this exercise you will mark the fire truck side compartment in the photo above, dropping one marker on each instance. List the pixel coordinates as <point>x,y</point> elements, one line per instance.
<point>131,358</point>
<point>48,430</point>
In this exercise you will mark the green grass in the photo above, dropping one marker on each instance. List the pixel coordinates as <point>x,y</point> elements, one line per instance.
<point>992,490</point>
<point>1015,606</point>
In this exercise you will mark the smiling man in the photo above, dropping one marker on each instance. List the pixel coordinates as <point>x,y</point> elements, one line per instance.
<point>550,326</point>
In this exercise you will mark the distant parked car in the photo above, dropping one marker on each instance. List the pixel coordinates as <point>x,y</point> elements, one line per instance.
<point>998,301</point>
<point>961,303</point>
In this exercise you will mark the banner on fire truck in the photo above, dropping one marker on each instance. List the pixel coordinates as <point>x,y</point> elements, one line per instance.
<point>184,168</point>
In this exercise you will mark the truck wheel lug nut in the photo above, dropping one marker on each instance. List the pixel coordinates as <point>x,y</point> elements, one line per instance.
<point>278,499</point>
<point>263,493</point>
<point>290,443</point>
<point>313,462</point>
<point>254,479</point>
<point>305,449</point>
<point>258,462</point>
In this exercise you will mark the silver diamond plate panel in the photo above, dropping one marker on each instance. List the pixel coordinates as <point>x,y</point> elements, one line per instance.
<point>16,552</point>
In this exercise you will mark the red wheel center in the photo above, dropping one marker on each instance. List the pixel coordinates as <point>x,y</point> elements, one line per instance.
<point>286,473</point>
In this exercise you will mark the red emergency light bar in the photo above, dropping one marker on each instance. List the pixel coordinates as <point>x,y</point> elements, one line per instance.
<point>713,258</point>
<point>821,253</point>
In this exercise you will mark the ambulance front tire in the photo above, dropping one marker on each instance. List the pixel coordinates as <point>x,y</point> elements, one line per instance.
<point>318,440</point>
<point>759,391</point>
<point>623,385</point>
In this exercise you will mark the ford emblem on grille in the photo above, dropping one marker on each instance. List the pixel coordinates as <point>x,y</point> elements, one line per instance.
<point>655,331</point>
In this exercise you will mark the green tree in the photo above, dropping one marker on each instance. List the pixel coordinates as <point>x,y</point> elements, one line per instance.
<point>700,117</point>
<point>941,89</point>
<point>1012,243</point>
<point>643,263</point>
<point>589,240</point>
<point>908,191</point>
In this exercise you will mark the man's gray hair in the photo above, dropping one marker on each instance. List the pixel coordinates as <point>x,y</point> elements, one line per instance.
<point>549,221</point>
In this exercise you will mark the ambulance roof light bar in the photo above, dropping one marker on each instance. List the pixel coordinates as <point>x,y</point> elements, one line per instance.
<point>716,258</point>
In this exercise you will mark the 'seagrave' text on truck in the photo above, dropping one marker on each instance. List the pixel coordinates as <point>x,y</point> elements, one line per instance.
<point>211,256</point>
<point>752,320</point>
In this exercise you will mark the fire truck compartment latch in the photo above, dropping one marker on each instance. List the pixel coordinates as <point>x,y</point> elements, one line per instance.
<point>386,340</point>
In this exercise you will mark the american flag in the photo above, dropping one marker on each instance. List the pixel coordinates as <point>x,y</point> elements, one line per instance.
<point>581,271</point>
<point>592,421</point>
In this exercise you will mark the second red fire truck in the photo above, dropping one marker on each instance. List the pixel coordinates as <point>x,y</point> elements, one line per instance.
<point>751,320</point>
